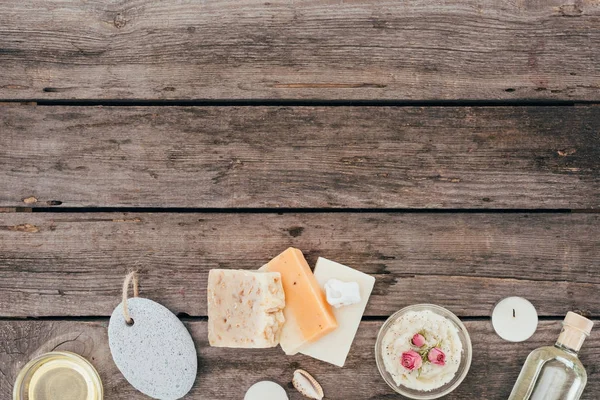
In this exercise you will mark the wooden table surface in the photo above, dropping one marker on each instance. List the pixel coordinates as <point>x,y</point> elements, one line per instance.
<point>451,149</point>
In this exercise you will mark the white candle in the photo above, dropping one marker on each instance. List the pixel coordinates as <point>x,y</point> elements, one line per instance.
<point>515,319</point>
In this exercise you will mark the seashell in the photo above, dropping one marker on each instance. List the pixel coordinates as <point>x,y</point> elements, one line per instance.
<point>307,385</point>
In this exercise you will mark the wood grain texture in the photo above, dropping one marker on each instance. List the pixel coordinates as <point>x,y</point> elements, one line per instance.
<point>330,157</point>
<point>74,264</point>
<point>365,49</point>
<point>227,373</point>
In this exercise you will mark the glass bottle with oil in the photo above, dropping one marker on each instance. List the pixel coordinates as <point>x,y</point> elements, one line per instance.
<point>555,372</point>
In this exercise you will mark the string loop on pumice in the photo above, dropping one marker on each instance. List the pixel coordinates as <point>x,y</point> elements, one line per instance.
<point>132,278</point>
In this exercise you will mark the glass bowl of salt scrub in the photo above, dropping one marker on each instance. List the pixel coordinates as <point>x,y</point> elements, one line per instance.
<point>58,375</point>
<point>423,351</point>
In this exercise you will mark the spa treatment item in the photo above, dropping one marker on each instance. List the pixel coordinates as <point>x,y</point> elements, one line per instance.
<point>58,375</point>
<point>423,351</point>
<point>334,347</point>
<point>245,308</point>
<point>436,355</point>
<point>555,372</point>
<point>151,346</point>
<point>307,385</point>
<point>514,319</point>
<point>266,390</point>
<point>340,294</point>
<point>308,316</point>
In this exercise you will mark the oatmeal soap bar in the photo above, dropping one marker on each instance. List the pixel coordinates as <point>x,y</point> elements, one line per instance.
<point>245,308</point>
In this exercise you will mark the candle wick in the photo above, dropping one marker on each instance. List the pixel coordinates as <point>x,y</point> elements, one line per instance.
<point>514,313</point>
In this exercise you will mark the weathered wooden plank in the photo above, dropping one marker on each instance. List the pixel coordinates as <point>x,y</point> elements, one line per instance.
<point>362,157</point>
<point>227,373</point>
<point>74,264</point>
<point>367,49</point>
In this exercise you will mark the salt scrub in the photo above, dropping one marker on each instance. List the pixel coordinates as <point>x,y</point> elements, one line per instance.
<point>438,332</point>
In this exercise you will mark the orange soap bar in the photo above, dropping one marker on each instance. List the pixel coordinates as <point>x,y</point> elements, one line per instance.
<point>308,316</point>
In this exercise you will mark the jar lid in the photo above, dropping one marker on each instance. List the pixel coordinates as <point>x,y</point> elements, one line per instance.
<point>579,322</point>
<point>58,375</point>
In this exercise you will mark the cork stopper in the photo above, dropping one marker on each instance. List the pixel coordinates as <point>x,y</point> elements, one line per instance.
<point>575,329</point>
<point>578,322</point>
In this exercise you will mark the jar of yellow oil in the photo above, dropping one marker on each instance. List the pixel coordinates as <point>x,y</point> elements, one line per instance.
<point>58,375</point>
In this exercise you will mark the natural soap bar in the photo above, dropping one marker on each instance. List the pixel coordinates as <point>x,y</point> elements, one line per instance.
<point>308,316</point>
<point>334,348</point>
<point>245,308</point>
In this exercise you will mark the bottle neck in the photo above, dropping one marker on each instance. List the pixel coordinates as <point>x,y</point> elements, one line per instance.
<point>571,339</point>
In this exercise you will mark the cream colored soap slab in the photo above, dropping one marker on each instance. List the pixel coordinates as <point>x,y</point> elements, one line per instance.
<point>334,347</point>
<point>245,308</point>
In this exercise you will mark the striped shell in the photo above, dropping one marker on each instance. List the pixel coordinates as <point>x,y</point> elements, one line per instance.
<point>307,385</point>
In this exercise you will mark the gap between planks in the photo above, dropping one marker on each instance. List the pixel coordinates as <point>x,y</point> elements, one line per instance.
<point>189,210</point>
<point>298,103</point>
